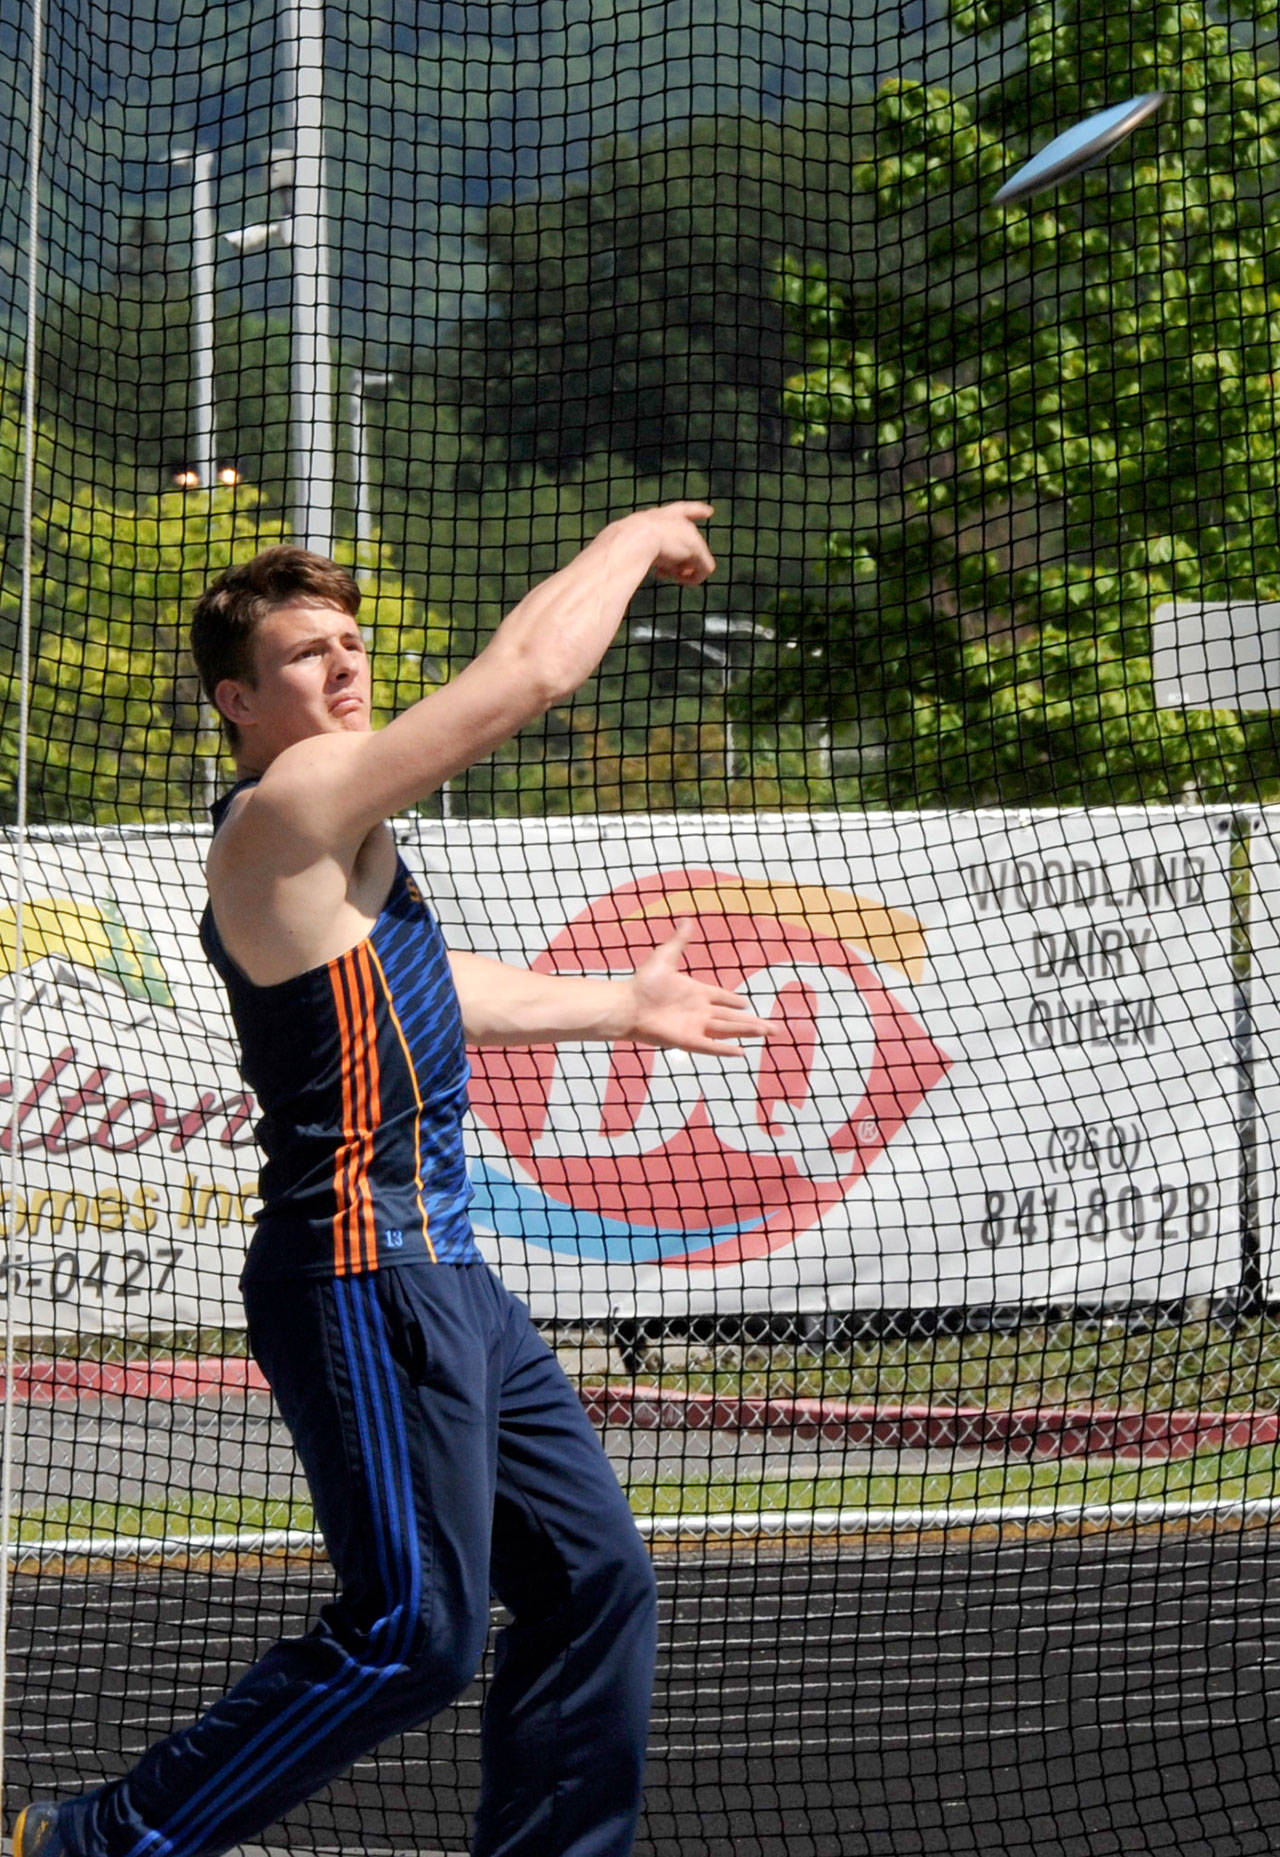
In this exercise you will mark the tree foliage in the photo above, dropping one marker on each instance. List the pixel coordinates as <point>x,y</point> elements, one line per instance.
<point>635,351</point>
<point>1067,411</point>
<point>116,729</point>
<point>635,313</point>
<point>117,368</point>
<point>1023,429</point>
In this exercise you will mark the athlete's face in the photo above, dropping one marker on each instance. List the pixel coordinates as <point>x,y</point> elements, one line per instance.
<point>311,677</point>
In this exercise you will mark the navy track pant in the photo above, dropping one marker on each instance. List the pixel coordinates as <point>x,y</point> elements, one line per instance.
<point>447,1455</point>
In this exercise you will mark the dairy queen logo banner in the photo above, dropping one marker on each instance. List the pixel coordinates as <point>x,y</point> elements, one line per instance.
<point>1002,1069</point>
<point>1002,1072</point>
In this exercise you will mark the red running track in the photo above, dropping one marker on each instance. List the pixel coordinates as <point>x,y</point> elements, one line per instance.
<point>1026,1431</point>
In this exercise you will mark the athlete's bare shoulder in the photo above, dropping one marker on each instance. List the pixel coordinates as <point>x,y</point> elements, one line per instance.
<point>286,895</point>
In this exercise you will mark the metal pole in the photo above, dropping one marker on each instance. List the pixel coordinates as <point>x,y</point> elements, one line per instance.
<point>204,460</point>
<point>17,1039</point>
<point>203,310</point>
<point>311,418</point>
<point>1250,1296</point>
<point>361,381</point>
<point>364,522</point>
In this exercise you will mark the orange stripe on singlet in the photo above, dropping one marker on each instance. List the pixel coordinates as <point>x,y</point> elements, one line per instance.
<point>343,1178</point>
<point>354,1232</point>
<point>367,1233</point>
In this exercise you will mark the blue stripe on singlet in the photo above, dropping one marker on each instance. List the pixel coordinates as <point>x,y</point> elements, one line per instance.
<point>424,1003</point>
<point>425,1009</point>
<point>309,1719</point>
<point>420,986</point>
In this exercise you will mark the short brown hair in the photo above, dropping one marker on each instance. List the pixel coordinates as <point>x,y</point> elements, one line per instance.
<point>232,608</point>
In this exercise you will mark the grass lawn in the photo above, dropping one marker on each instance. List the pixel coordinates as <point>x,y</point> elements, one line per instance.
<point>1200,1364</point>
<point>1210,1476</point>
<point>1219,1476</point>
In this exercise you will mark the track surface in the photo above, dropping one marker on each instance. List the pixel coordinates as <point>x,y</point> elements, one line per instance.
<point>1097,1695</point>
<point>149,1451</point>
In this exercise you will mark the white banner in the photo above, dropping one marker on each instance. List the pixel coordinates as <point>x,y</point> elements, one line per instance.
<point>1003,1072</point>
<point>1006,1075</point>
<point>126,1204</point>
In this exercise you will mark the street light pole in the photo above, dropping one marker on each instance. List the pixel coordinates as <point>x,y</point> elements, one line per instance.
<point>361,381</point>
<point>203,255</point>
<point>311,417</point>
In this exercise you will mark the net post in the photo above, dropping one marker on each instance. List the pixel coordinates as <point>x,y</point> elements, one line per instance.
<point>30,363</point>
<point>204,459</point>
<point>1248,1300</point>
<point>311,419</point>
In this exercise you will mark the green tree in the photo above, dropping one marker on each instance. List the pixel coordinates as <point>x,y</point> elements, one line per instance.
<point>1067,409</point>
<point>637,352</point>
<point>116,727</point>
<point>117,374</point>
<point>636,313</point>
<point>252,400</point>
<point>115,371</point>
<point>479,539</point>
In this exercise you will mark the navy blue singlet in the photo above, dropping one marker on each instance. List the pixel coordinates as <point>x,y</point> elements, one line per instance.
<point>360,1070</point>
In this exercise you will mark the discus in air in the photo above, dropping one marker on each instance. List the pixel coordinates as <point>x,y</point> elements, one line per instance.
<point>1079,147</point>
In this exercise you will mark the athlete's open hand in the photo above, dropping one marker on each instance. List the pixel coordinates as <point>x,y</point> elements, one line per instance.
<point>671,1008</point>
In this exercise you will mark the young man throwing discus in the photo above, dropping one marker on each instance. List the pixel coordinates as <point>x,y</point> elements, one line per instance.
<point>447,1454</point>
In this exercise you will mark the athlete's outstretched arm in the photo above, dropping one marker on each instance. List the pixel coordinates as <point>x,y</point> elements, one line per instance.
<point>334,788</point>
<point>659,1004</point>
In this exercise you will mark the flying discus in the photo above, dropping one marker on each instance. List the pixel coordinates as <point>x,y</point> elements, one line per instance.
<point>1079,147</point>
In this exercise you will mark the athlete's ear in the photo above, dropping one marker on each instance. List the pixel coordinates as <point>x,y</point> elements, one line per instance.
<point>233,700</point>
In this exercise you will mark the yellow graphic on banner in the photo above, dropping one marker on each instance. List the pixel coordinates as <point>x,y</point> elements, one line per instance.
<point>89,935</point>
<point>890,936</point>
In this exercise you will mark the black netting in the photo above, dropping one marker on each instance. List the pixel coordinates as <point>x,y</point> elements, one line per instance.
<point>936,1347</point>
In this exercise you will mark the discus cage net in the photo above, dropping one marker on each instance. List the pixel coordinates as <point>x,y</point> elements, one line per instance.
<point>935,1345</point>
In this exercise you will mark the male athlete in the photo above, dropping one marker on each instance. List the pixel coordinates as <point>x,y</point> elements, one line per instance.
<point>446,1452</point>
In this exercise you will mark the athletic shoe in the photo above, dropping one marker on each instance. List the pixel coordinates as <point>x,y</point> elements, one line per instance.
<point>36,1833</point>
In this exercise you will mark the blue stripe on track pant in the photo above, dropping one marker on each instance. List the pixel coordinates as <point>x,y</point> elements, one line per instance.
<point>448,1457</point>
